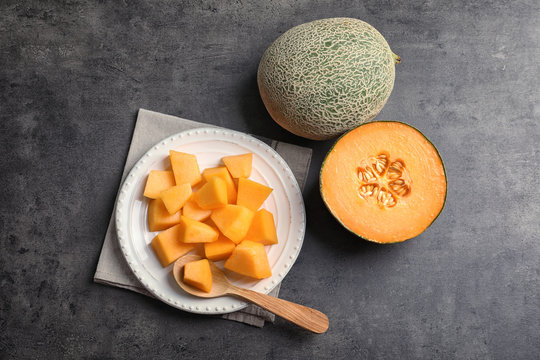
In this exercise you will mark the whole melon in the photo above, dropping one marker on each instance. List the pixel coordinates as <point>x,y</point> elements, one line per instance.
<point>325,77</point>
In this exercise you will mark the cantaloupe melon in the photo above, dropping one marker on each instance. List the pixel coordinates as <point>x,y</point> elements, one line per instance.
<point>263,228</point>
<point>185,168</point>
<point>384,181</point>
<point>175,197</point>
<point>325,77</point>
<point>168,248</point>
<point>194,211</point>
<point>212,195</point>
<point>233,221</point>
<point>221,172</point>
<point>252,194</point>
<point>158,180</point>
<point>249,258</point>
<point>239,165</point>
<point>192,231</point>
<point>158,216</point>
<point>198,274</point>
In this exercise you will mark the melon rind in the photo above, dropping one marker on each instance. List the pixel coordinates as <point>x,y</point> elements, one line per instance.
<point>325,77</point>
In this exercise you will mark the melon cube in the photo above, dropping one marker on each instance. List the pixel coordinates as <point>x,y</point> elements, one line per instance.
<point>194,211</point>
<point>263,228</point>
<point>222,172</point>
<point>192,231</point>
<point>174,198</point>
<point>185,168</point>
<point>249,259</point>
<point>167,247</point>
<point>239,165</point>
<point>251,194</point>
<point>158,180</point>
<point>198,274</point>
<point>220,249</point>
<point>233,221</point>
<point>213,194</point>
<point>158,216</point>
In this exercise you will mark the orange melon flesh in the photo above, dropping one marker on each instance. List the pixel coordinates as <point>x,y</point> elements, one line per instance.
<point>222,173</point>
<point>175,197</point>
<point>212,195</point>
<point>251,194</point>
<point>158,180</point>
<point>158,216</point>
<point>198,274</point>
<point>194,211</point>
<point>346,191</point>
<point>249,259</point>
<point>239,165</point>
<point>233,221</point>
<point>262,228</point>
<point>192,231</point>
<point>167,247</point>
<point>185,168</point>
<point>220,249</point>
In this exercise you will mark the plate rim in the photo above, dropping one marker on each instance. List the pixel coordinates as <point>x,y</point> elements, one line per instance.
<point>126,186</point>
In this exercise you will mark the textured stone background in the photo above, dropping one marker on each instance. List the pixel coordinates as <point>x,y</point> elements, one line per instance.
<point>72,76</point>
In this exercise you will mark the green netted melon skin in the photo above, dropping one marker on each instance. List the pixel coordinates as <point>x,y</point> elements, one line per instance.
<point>325,77</point>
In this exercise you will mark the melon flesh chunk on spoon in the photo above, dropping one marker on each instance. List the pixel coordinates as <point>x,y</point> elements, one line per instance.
<point>308,318</point>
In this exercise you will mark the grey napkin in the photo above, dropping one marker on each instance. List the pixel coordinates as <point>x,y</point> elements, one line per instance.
<point>150,128</point>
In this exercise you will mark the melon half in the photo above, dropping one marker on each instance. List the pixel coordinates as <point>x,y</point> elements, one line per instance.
<point>384,181</point>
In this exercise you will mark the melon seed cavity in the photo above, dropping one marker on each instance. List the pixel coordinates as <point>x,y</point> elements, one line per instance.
<point>383,181</point>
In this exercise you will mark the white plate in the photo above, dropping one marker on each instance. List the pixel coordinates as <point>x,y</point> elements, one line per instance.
<point>210,145</point>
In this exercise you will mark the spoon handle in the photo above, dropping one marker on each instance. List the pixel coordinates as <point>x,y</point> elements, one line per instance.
<point>303,316</point>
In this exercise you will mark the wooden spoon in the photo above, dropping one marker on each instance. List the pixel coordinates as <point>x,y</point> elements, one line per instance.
<point>309,319</point>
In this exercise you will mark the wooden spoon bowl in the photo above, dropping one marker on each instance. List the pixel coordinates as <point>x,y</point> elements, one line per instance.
<point>305,317</point>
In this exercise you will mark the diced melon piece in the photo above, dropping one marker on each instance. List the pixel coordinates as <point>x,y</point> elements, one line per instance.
<point>185,168</point>
<point>192,231</point>
<point>251,194</point>
<point>158,216</point>
<point>193,211</point>
<point>198,274</point>
<point>158,180</point>
<point>175,197</point>
<point>249,258</point>
<point>239,165</point>
<point>219,249</point>
<point>233,221</point>
<point>222,172</point>
<point>263,228</point>
<point>213,194</point>
<point>168,248</point>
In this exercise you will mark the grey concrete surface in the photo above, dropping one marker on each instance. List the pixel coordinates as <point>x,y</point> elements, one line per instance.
<point>72,76</point>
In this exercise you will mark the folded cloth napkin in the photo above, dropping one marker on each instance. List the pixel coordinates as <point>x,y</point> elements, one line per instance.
<point>150,128</point>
